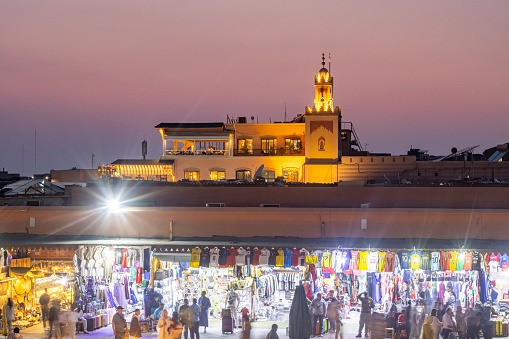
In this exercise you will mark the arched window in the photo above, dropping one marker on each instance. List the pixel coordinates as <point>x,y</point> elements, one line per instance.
<point>321,144</point>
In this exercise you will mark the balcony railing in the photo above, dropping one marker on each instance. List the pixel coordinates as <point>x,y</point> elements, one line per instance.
<point>263,152</point>
<point>196,152</point>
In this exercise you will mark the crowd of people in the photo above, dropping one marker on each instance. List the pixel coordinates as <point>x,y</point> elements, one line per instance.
<point>328,307</point>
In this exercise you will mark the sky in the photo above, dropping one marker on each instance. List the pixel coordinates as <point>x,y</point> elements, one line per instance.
<point>95,77</point>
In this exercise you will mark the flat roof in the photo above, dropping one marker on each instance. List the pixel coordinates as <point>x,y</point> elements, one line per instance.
<point>191,125</point>
<point>142,162</point>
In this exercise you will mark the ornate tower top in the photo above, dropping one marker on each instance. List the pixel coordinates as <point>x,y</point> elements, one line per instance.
<point>323,89</point>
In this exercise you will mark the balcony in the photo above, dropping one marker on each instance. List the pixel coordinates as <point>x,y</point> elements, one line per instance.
<point>264,152</point>
<point>173,152</point>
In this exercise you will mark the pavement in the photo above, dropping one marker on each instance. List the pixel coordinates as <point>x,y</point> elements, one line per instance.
<point>259,330</point>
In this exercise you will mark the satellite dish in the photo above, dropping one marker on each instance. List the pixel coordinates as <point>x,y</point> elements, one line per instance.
<point>258,172</point>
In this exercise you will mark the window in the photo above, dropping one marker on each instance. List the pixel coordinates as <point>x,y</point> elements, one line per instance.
<point>245,146</point>
<point>292,145</point>
<point>291,174</point>
<point>192,175</point>
<point>321,144</point>
<point>268,175</point>
<point>243,175</point>
<point>217,175</point>
<point>269,145</point>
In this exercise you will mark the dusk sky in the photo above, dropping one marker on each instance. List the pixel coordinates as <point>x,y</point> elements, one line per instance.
<point>97,76</point>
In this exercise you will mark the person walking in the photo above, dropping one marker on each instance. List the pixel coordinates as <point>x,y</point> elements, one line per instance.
<point>175,329</point>
<point>486,328</point>
<point>44,302</point>
<point>54,319</point>
<point>135,329</point>
<point>163,324</point>
<point>195,319</point>
<point>319,308</point>
<point>334,316</point>
<point>9,313</point>
<point>119,324</point>
<point>427,329</point>
<point>184,317</point>
<point>367,304</point>
<point>448,323</point>
<point>330,300</point>
<point>461,322</point>
<point>474,325</point>
<point>436,325</point>
<point>204,303</point>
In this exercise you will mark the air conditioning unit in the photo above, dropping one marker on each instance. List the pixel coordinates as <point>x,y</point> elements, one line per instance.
<point>215,204</point>
<point>269,205</point>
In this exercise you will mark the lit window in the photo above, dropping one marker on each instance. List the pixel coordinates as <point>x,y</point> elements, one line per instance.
<point>268,175</point>
<point>291,174</point>
<point>192,175</point>
<point>269,146</point>
<point>245,146</point>
<point>292,145</point>
<point>321,144</point>
<point>243,175</point>
<point>217,175</point>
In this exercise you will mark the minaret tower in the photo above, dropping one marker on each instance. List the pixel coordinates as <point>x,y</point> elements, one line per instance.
<point>323,90</point>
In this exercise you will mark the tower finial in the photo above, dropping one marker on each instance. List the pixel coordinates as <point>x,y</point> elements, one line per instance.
<point>323,60</point>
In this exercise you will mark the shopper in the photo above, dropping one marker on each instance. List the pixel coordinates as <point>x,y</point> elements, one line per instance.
<point>9,313</point>
<point>119,324</point>
<point>185,317</point>
<point>163,324</point>
<point>319,308</point>
<point>474,325</point>
<point>175,329</point>
<point>15,335</point>
<point>367,304</point>
<point>427,329</point>
<point>273,332</point>
<point>158,313</point>
<point>448,323</point>
<point>331,300</point>
<point>204,303</point>
<point>436,325</point>
<point>135,329</point>
<point>54,319</point>
<point>486,328</point>
<point>334,316</point>
<point>44,302</point>
<point>461,322</point>
<point>195,319</point>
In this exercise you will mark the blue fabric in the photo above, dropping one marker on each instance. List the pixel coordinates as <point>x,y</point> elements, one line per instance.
<point>288,257</point>
<point>406,275</point>
<point>204,314</point>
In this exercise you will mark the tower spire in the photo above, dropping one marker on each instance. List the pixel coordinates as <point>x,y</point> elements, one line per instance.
<point>323,60</point>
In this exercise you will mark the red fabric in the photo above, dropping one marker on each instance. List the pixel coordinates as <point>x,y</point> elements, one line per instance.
<point>230,262</point>
<point>256,257</point>
<point>328,270</point>
<point>139,275</point>
<point>295,257</point>
<point>124,258</point>
<point>312,270</point>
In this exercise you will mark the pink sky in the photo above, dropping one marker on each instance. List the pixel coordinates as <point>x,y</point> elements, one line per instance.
<point>96,76</point>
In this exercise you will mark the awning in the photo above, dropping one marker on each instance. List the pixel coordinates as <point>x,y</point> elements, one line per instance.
<point>173,256</point>
<point>20,270</point>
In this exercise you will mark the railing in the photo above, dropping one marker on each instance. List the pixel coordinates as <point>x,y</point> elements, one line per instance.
<point>263,152</point>
<point>196,152</point>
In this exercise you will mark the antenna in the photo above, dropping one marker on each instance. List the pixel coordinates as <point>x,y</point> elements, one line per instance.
<point>285,111</point>
<point>22,158</point>
<point>93,160</point>
<point>35,153</point>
